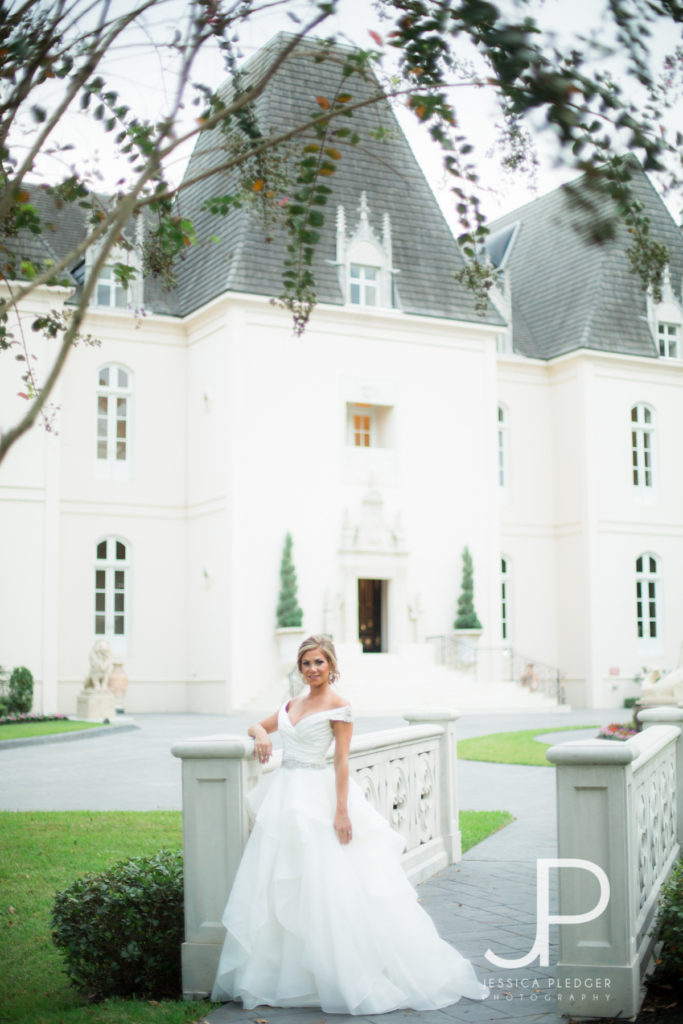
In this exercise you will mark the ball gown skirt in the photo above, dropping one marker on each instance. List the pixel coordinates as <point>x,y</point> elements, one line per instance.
<point>312,922</point>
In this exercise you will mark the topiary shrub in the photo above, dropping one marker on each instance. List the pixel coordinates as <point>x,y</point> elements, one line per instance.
<point>120,931</point>
<point>20,691</point>
<point>288,613</point>
<point>467,617</point>
<point>669,966</point>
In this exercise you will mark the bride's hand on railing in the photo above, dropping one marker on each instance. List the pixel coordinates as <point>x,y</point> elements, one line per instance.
<point>262,750</point>
<point>263,747</point>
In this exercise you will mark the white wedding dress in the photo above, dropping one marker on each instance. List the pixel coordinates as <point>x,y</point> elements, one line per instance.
<point>312,922</point>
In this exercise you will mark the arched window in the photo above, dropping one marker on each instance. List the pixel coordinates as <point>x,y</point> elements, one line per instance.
<point>647,597</point>
<point>505,597</point>
<point>111,590</point>
<point>502,446</point>
<point>114,395</point>
<point>642,446</point>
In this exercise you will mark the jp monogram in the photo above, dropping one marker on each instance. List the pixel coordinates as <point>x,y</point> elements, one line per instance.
<point>544,918</point>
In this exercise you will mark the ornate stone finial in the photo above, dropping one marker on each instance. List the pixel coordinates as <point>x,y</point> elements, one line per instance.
<point>386,239</point>
<point>341,234</point>
<point>364,208</point>
<point>667,290</point>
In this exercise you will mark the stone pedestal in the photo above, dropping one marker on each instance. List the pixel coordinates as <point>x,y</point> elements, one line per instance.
<point>288,640</point>
<point>466,651</point>
<point>95,705</point>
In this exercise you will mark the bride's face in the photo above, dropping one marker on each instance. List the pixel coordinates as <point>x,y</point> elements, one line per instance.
<point>315,668</point>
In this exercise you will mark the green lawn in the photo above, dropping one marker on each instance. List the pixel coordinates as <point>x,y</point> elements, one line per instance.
<point>43,852</point>
<point>512,747</point>
<point>19,730</point>
<point>477,825</point>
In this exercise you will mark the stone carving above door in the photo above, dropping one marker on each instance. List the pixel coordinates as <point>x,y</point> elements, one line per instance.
<point>373,532</point>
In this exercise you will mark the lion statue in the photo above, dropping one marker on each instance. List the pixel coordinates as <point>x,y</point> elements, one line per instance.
<point>101,665</point>
<point>665,690</point>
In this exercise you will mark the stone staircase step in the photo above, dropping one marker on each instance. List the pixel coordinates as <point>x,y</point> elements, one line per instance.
<point>387,685</point>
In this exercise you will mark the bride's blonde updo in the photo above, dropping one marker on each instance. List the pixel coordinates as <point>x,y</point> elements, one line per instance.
<point>319,640</point>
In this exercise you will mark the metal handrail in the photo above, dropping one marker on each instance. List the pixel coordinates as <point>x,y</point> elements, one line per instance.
<point>456,652</point>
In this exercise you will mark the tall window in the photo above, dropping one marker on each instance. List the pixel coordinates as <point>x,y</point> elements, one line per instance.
<point>363,282</point>
<point>114,389</point>
<point>109,291</point>
<point>505,598</point>
<point>502,446</point>
<point>111,589</point>
<point>362,426</point>
<point>642,439</point>
<point>669,340</point>
<point>647,597</point>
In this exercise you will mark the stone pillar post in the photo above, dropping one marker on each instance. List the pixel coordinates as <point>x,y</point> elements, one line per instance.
<point>218,771</point>
<point>448,775</point>
<point>670,716</point>
<point>607,817</point>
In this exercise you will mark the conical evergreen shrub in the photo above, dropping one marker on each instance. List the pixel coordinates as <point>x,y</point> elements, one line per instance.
<point>467,617</point>
<point>288,611</point>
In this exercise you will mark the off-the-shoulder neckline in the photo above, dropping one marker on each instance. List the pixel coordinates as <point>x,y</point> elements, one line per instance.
<point>323,711</point>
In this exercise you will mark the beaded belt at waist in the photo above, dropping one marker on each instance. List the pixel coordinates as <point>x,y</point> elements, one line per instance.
<point>291,762</point>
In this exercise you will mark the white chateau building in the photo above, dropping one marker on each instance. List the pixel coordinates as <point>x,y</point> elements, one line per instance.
<point>402,426</point>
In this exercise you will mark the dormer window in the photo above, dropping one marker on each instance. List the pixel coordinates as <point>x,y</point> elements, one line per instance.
<point>109,291</point>
<point>669,337</point>
<point>364,261</point>
<point>666,320</point>
<point>363,282</point>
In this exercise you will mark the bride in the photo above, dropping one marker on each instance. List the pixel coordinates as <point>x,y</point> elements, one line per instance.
<point>321,912</point>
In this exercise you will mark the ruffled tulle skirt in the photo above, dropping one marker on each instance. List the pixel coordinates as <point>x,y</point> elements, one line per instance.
<point>313,923</point>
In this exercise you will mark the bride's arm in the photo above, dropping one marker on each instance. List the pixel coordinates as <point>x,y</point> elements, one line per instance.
<point>342,742</point>
<point>263,747</point>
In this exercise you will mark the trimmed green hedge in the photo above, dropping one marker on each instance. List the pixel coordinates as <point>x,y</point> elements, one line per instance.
<point>120,931</point>
<point>670,929</point>
<point>18,698</point>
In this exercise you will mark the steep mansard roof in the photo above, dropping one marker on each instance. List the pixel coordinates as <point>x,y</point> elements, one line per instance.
<point>248,257</point>
<point>65,225</point>
<point>570,293</point>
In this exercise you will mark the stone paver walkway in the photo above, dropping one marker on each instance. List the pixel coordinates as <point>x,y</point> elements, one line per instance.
<point>487,901</point>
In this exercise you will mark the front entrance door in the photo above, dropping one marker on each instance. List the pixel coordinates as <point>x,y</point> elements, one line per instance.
<point>371,615</point>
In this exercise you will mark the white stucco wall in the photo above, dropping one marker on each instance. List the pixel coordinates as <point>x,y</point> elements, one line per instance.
<point>290,468</point>
<point>573,524</point>
<point>238,434</point>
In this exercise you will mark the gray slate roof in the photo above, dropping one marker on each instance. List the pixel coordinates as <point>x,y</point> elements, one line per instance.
<point>64,226</point>
<point>570,293</point>
<point>248,256</point>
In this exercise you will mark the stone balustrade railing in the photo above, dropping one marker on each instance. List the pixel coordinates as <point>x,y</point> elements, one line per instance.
<point>409,774</point>
<point>619,808</point>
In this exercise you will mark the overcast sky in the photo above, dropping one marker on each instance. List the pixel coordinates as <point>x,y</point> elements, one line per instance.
<point>137,71</point>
